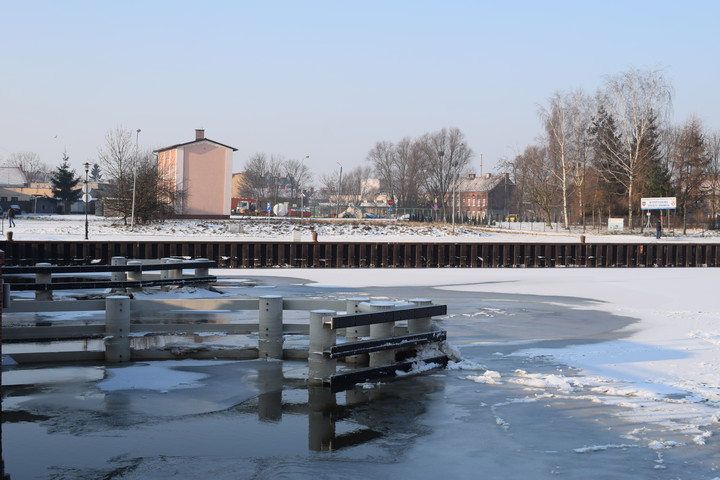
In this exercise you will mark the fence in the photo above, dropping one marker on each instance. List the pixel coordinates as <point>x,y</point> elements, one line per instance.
<point>396,332</point>
<point>124,275</point>
<point>332,254</point>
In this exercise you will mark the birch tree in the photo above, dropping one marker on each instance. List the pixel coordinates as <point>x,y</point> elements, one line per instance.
<point>635,99</point>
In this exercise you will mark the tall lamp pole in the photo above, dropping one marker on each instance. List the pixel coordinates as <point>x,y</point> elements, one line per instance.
<point>86,197</point>
<point>454,185</point>
<point>302,194</point>
<point>337,214</point>
<point>132,208</point>
<point>441,154</point>
<point>453,195</point>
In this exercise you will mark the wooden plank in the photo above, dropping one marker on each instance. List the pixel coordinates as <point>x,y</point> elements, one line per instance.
<point>111,284</point>
<point>145,267</point>
<point>344,381</point>
<point>390,343</point>
<point>385,316</point>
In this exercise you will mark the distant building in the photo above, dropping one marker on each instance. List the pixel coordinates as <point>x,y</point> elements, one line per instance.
<point>203,169</point>
<point>12,177</point>
<point>488,196</point>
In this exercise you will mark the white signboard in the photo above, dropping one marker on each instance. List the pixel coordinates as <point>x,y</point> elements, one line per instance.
<point>615,224</point>
<point>658,203</point>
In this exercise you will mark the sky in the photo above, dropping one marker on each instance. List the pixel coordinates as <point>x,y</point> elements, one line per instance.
<point>329,79</point>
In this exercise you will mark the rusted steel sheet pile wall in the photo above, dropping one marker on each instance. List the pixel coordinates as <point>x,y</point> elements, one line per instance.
<point>373,255</point>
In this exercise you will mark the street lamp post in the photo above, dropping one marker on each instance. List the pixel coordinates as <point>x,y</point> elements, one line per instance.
<point>337,214</point>
<point>132,208</point>
<point>441,154</point>
<point>86,197</point>
<point>454,180</point>
<point>302,194</point>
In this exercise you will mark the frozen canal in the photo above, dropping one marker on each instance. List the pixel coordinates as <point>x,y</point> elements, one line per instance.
<point>523,402</point>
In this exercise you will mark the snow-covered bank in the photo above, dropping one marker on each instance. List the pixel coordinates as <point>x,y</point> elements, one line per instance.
<point>72,227</point>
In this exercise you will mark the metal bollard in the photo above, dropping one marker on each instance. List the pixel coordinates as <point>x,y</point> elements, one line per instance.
<point>420,325</point>
<point>353,334</point>
<point>382,330</point>
<point>322,337</point>
<point>270,329</point>
<point>43,278</point>
<point>117,328</point>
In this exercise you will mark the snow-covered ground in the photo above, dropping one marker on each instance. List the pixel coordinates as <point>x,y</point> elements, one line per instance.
<point>72,227</point>
<point>575,372</point>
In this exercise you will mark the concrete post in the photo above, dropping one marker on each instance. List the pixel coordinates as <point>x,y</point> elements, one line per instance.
<point>202,271</point>
<point>164,274</point>
<point>270,385</point>
<point>118,276</point>
<point>353,334</point>
<point>43,278</point>
<point>322,337</point>
<point>382,330</point>
<point>117,328</point>
<point>321,424</point>
<point>420,325</point>
<point>134,276</point>
<point>270,334</point>
<point>176,273</point>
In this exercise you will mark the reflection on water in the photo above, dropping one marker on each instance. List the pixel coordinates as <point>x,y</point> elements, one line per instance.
<point>196,409</point>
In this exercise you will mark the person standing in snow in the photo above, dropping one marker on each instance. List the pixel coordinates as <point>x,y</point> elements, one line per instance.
<point>11,216</point>
<point>659,230</point>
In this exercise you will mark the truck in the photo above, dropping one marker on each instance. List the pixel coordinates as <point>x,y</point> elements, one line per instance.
<point>244,206</point>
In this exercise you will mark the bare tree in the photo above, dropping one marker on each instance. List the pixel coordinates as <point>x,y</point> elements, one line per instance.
<point>567,121</point>
<point>299,175</point>
<point>384,158</point>
<point>400,168</point>
<point>637,101</point>
<point>355,187</point>
<point>118,160</point>
<point>446,156</point>
<point>533,170</point>
<point>135,183</point>
<point>29,162</point>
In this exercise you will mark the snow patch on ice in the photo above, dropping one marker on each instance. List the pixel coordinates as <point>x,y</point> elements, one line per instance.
<point>152,376</point>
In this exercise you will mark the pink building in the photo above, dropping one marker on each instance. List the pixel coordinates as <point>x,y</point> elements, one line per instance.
<point>203,168</point>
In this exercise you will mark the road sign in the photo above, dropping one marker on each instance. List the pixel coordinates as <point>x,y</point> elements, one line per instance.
<point>658,203</point>
<point>391,202</point>
<point>87,188</point>
<point>268,208</point>
<point>87,198</point>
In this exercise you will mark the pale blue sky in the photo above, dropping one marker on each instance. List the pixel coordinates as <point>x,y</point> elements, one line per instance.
<point>330,78</point>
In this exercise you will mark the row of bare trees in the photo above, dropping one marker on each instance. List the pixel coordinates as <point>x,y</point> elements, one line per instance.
<point>412,172</point>
<point>273,178</point>
<point>600,154</point>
